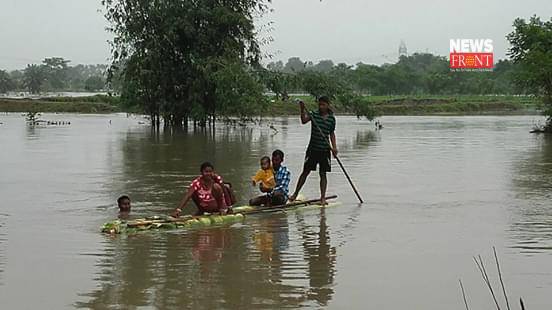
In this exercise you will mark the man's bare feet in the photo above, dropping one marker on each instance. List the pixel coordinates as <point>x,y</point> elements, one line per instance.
<point>292,198</point>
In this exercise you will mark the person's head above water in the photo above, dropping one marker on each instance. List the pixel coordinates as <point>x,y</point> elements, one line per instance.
<point>207,170</point>
<point>324,105</point>
<point>277,159</point>
<point>265,162</point>
<point>124,203</point>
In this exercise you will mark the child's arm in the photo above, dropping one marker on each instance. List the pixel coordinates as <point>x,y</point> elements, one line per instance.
<point>184,201</point>
<point>257,177</point>
<point>305,116</point>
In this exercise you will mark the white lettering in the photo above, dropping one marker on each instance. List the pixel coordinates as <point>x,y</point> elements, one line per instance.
<point>454,45</point>
<point>488,46</point>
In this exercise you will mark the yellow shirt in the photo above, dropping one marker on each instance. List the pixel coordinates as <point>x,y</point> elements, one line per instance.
<point>266,177</point>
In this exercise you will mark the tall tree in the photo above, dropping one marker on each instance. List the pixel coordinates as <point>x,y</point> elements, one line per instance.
<point>6,82</point>
<point>34,78</point>
<point>294,65</point>
<point>532,51</point>
<point>55,69</point>
<point>94,83</point>
<point>175,57</point>
<point>324,66</point>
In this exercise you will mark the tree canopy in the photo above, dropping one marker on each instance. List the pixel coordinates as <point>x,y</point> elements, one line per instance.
<point>187,59</point>
<point>531,52</point>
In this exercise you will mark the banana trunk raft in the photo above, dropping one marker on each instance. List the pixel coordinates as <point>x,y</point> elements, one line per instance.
<point>166,222</point>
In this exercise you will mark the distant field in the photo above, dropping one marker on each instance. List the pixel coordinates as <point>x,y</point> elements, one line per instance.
<point>92,104</point>
<point>385,105</point>
<point>415,105</point>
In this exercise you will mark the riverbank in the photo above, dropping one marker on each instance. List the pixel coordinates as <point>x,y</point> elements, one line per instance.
<point>431,105</point>
<point>90,104</point>
<point>384,105</point>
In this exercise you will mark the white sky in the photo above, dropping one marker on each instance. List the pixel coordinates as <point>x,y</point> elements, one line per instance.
<point>342,30</point>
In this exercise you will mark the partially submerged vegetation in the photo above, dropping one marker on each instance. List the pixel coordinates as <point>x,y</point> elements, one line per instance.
<point>505,304</point>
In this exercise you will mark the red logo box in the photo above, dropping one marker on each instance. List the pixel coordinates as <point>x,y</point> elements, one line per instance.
<point>471,60</point>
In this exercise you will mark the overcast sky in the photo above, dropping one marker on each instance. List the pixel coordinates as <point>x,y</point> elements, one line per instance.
<point>342,30</point>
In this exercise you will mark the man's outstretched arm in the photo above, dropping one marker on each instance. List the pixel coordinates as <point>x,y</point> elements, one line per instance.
<point>305,117</point>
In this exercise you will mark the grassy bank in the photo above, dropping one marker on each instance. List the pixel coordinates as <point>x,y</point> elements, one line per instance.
<point>385,105</point>
<point>428,105</point>
<point>456,105</point>
<point>93,104</point>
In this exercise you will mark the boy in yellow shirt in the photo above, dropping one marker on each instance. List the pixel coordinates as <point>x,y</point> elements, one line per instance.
<point>265,175</point>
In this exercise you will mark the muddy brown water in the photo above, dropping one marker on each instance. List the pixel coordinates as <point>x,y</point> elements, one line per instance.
<point>438,191</point>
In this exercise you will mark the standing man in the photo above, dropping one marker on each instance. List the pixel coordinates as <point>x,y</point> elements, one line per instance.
<point>318,151</point>
<point>279,194</point>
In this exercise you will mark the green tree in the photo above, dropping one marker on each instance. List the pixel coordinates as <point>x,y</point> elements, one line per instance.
<point>34,77</point>
<point>94,83</point>
<point>6,82</point>
<point>55,69</point>
<point>173,55</point>
<point>367,79</point>
<point>277,66</point>
<point>532,51</point>
<point>280,83</point>
<point>337,88</point>
<point>294,65</point>
<point>17,76</point>
<point>324,66</point>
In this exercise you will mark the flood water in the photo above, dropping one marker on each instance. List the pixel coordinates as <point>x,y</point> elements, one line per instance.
<point>438,190</point>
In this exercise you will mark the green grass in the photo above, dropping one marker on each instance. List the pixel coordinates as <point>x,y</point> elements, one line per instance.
<point>427,104</point>
<point>412,105</point>
<point>63,105</point>
<point>385,105</point>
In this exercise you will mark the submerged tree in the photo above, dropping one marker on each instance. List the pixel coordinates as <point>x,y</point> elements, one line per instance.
<point>532,51</point>
<point>186,59</point>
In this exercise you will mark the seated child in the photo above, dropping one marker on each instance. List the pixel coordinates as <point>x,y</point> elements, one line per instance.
<point>265,175</point>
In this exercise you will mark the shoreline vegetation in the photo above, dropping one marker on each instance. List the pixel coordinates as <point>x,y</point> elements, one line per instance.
<point>383,105</point>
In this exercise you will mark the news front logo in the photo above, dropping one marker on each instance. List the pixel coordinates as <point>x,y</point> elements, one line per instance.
<point>471,55</point>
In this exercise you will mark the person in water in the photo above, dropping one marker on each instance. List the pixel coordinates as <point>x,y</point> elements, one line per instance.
<point>282,176</point>
<point>207,192</point>
<point>124,204</point>
<point>319,149</point>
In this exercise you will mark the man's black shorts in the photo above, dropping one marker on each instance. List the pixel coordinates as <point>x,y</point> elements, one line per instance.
<point>314,157</point>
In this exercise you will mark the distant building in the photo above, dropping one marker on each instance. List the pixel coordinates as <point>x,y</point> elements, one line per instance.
<point>402,49</point>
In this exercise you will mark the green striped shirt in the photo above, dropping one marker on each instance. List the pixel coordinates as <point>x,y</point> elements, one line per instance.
<point>327,125</point>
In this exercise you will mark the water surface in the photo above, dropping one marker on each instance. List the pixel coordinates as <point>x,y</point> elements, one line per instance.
<point>438,191</point>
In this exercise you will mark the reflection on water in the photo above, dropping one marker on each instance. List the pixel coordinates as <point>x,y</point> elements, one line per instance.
<point>437,189</point>
<point>321,256</point>
<point>157,167</point>
<point>362,139</point>
<point>248,266</point>
<point>533,182</point>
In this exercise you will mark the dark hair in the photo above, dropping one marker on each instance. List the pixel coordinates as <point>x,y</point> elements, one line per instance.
<point>120,199</point>
<point>278,153</point>
<point>324,99</point>
<point>205,165</point>
<point>265,158</point>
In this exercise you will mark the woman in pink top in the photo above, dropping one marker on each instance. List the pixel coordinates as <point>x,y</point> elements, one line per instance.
<point>207,192</point>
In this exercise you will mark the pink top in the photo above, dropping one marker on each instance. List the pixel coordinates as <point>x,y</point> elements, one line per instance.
<point>206,199</point>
